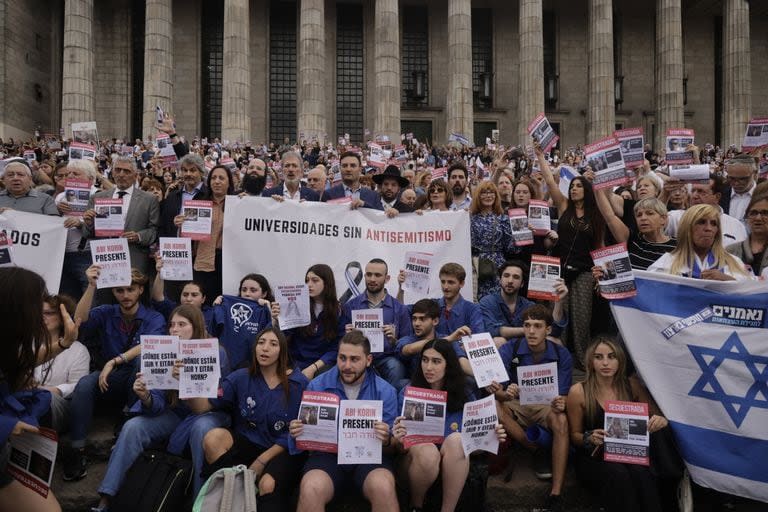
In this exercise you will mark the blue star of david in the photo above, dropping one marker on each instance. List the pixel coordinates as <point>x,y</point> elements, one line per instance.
<point>736,406</point>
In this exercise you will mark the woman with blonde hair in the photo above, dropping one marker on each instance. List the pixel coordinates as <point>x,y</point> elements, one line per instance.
<point>700,253</point>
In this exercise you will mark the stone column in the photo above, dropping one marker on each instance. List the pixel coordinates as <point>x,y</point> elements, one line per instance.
<point>460,105</point>
<point>236,93</point>
<point>158,63</point>
<point>387,70</point>
<point>669,69</point>
<point>77,69</point>
<point>737,73</point>
<point>312,71</point>
<point>601,118</point>
<point>531,101</point>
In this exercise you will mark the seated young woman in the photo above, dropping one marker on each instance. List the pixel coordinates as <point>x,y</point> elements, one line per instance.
<point>263,400</point>
<point>423,464</point>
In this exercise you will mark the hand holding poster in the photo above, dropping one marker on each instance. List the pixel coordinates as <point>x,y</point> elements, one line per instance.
<point>604,156</point>
<point>538,217</point>
<point>424,416</point>
<point>294,305</point>
<point>677,140</point>
<point>158,355</point>
<point>537,383</point>
<point>478,426</point>
<point>371,323</point>
<point>109,219</point>
<point>545,273</point>
<point>540,130</point>
<point>518,220</point>
<point>485,360</point>
<point>197,220</point>
<point>76,194</point>
<point>632,146</point>
<point>618,281</point>
<point>114,260</point>
<point>176,254</point>
<point>358,443</point>
<point>626,432</point>
<point>200,375</point>
<point>32,458</point>
<point>319,412</point>
<point>417,267</point>
<point>690,173</point>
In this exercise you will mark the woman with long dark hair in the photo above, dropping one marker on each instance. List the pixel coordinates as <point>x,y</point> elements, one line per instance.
<point>263,400</point>
<point>313,348</point>
<point>422,464</point>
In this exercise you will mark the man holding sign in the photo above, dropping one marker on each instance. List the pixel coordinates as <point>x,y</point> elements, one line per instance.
<point>351,379</point>
<point>533,353</point>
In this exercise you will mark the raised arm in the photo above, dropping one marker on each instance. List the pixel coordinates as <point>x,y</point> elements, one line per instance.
<point>619,230</point>
<point>558,198</point>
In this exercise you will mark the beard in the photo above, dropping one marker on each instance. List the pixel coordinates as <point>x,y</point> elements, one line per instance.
<point>457,190</point>
<point>253,184</point>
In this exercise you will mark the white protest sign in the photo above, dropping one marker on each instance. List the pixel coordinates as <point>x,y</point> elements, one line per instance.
<point>417,270</point>
<point>86,133</point>
<point>371,323</point>
<point>478,426</point>
<point>487,365</point>
<point>537,383</point>
<point>618,280</point>
<point>176,253</point>
<point>32,458</point>
<point>756,134</point>
<point>677,139</point>
<point>690,173</point>
<point>78,151</point>
<point>358,443</point>
<point>544,274</point>
<point>538,217</point>
<point>158,354</point>
<point>112,256</point>
<point>6,251</point>
<point>110,218</point>
<point>200,375</point>
<point>542,131</point>
<point>423,415</point>
<point>76,194</point>
<point>319,412</point>
<point>294,305</point>
<point>604,156</point>
<point>346,240</point>
<point>626,432</point>
<point>198,216</point>
<point>632,145</point>
<point>518,221</point>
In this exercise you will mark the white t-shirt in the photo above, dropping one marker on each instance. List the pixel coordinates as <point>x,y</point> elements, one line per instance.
<point>732,229</point>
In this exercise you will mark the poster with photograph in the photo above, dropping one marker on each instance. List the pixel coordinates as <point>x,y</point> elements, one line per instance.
<point>690,173</point>
<point>229,163</point>
<point>478,426</point>
<point>176,253</point>
<point>76,194</point>
<point>371,323</point>
<point>417,271</point>
<point>756,134</point>
<point>423,415</point>
<point>158,354</point>
<point>78,151</point>
<point>605,158</point>
<point>538,217</point>
<point>518,220</point>
<point>109,220</point>
<point>31,459</point>
<point>319,412</point>
<point>294,305</point>
<point>86,133</point>
<point>618,281</point>
<point>358,443</point>
<point>545,272</point>
<point>677,139</point>
<point>487,365</point>
<point>626,433</point>
<point>199,377</point>
<point>114,260</point>
<point>540,129</point>
<point>6,250</point>
<point>29,156</point>
<point>537,383</point>
<point>632,142</point>
<point>198,217</point>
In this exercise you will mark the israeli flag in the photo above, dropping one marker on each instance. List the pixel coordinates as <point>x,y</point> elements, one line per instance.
<point>457,137</point>
<point>701,347</point>
<point>566,176</point>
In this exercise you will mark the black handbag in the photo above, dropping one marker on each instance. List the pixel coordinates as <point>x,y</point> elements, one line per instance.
<point>486,269</point>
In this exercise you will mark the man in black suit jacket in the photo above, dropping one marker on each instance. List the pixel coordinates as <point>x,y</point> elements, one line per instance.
<point>390,183</point>
<point>741,175</point>
<point>351,167</point>
<point>191,186</point>
<point>291,188</point>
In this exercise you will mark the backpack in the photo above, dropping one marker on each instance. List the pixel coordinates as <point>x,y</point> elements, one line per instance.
<point>156,482</point>
<point>228,490</point>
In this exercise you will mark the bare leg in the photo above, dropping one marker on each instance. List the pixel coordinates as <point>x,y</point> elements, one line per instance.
<point>379,490</point>
<point>14,497</point>
<point>422,465</point>
<point>455,466</point>
<point>315,491</point>
<point>557,422</point>
<point>216,443</point>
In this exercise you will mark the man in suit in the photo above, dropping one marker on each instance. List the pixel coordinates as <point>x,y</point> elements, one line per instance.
<point>191,186</point>
<point>351,166</point>
<point>291,188</point>
<point>741,173</point>
<point>390,183</point>
<point>141,211</point>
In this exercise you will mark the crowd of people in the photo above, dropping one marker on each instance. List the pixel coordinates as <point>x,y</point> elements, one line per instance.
<point>716,230</point>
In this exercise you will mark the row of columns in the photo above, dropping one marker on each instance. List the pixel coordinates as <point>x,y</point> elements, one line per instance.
<point>77,76</point>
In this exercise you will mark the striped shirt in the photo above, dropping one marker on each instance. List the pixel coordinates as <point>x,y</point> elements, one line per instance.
<point>643,253</point>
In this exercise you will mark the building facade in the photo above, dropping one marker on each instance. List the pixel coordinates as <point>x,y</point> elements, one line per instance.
<point>264,70</point>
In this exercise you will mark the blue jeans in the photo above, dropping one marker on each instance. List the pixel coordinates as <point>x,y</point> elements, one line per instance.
<point>87,392</point>
<point>137,435</point>
<point>391,369</point>
<point>73,280</point>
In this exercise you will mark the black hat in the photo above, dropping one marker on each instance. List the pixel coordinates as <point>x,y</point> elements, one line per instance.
<point>392,171</point>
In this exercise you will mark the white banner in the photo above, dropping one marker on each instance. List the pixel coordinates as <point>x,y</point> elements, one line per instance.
<point>38,243</point>
<point>282,240</point>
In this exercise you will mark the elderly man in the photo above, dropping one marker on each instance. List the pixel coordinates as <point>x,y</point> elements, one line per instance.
<point>741,173</point>
<point>191,186</point>
<point>19,194</point>
<point>140,209</point>
<point>316,179</point>
<point>291,188</point>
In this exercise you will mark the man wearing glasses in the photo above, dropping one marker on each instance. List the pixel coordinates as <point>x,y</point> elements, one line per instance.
<point>741,171</point>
